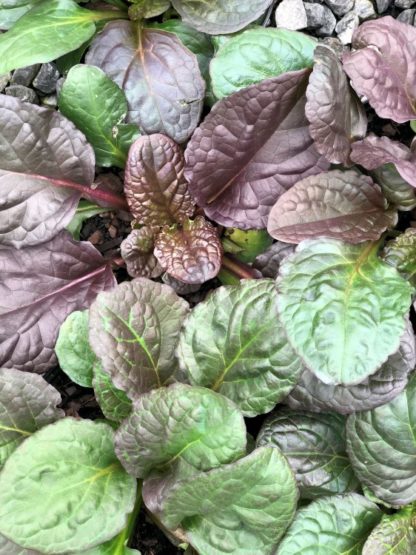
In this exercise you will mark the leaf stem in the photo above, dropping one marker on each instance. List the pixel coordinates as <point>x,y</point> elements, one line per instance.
<point>103,15</point>
<point>131,523</point>
<point>238,268</point>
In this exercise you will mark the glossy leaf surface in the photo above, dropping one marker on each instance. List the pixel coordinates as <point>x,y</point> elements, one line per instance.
<point>137,252</point>
<point>113,402</point>
<point>269,261</point>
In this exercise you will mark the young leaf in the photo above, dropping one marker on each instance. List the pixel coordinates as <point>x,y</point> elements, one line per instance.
<point>314,445</point>
<point>245,245</point>
<point>401,254</point>
<point>258,54</point>
<point>381,444</point>
<point>27,403</point>
<point>342,308</point>
<point>73,350</point>
<point>396,190</point>
<point>243,507</point>
<point>155,186</point>
<point>394,535</point>
<point>40,286</point>
<point>239,162</point>
<point>160,77</point>
<point>269,261</point>
<point>340,204</point>
<point>234,343</point>
<point>98,107</point>
<point>49,30</point>
<point>183,422</point>
<point>63,489</point>
<point>137,251</point>
<point>39,151</point>
<point>339,524</point>
<point>383,67</point>
<point>134,330</point>
<point>148,8</point>
<point>336,116</point>
<point>85,210</point>
<point>220,16</point>
<point>113,402</point>
<point>380,388</point>
<point>191,253</point>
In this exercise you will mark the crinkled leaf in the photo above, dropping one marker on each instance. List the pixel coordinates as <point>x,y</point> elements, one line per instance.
<point>63,489</point>
<point>381,444</point>
<point>39,287</point>
<point>220,16</point>
<point>394,535</point>
<point>160,77</point>
<point>251,148</point>
<point>73,350</point>
<point>155,186</point>
<point>269,261</point>
<point>340,204</point>
<point>380,388</point>
<point>258,54</point>
<point>396,190</point>
<point>38,149</point>
<point>401,254</point>
<point>85,210</point>
<point>148,8</point>
<point>383,67</point>
<point>134,330</point>
<point>113,402</point>
<point>338,525</point>
<point>373,152</point>
<point>343,309</point>
<point>336,116</point>
<point>244,507</point>
<point>314,445</point>
<point>191,253</point>
<point>98,108</point>
<point>195,424</point>
<point>137,251</point>
<point>233,343</point>
<point>27,403</point>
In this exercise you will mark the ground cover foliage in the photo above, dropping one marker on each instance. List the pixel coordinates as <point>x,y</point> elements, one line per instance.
<point>270,278</point>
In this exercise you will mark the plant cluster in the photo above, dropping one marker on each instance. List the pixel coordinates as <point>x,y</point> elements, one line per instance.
<point>230,135</point>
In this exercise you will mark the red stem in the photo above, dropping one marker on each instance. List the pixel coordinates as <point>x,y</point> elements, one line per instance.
<point>238,268</point>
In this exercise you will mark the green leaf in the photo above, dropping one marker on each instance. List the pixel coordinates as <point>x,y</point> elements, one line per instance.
<point>113,402</point>
<point>413,125</point>
<point>381,444</point>
<point>98,108</point>
<point>258,54</point>
<point>49,30</point>
<point>315,447</point>
<point>63,489</point>
<point>394,535</point>
<point>343,309</point>
<point>85,210</point>
<point>396,190</point>
<point>244,507</point>
<point>12,10</point>
<point>75,356</point>
<point>246,245</point>
<point>9,548</point>
<point>148,8</point>
<point>134,330</point>
<point>233,343</point>
<point>401,254</point>
<point>180,422</point>
<point>27,403</point>
<point>338,525</point>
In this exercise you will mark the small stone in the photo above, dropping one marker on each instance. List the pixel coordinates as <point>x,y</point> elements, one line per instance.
<point>112,231</point>
<point>407,16</point>
<point>404,4</point>
<point>45,81</point>
<point>25,75</point>
<point>383,5</point>
<point>291,14</point>
<point>320,18</point>
<point>50,101</point>
<point>346,27</point>
<point>22,93</point>
<point>96,237</point>
<point>340,7</point>
<point>4,81</point>
<point>364,9</point>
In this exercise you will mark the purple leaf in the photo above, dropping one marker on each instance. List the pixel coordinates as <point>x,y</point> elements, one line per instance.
<point>251,148</point>
<point>192,253</point>
<point>137,252</point>
<point>155,187</point>
<point>40,150</point>
<point>372,152</point>
<point>383,67</point>
<point>343,205</point>
<point>39,287</point>
<point>160,77</point>
<point>335,114</point>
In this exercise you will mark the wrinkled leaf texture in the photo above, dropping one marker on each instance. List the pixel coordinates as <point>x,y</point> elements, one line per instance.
<point>113,402</point>
<point>394,535</point>
<point>137,252</point>
<point>401,254</point>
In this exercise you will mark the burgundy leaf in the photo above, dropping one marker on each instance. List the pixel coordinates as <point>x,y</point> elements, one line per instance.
<point>343,205</point>
<point>155,186</point>
<point>160,77</point>
<point>268,262</point>
<point>335,114</point>
<point>383,68</point>
<point>40,150</point>
<point>137,252</point>
<point>372,152</point>
<point>39,287</point>
<point>251,148</point>
<point>191,254</point>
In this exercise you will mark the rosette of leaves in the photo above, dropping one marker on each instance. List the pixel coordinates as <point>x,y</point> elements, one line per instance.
<point>401,254</point>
